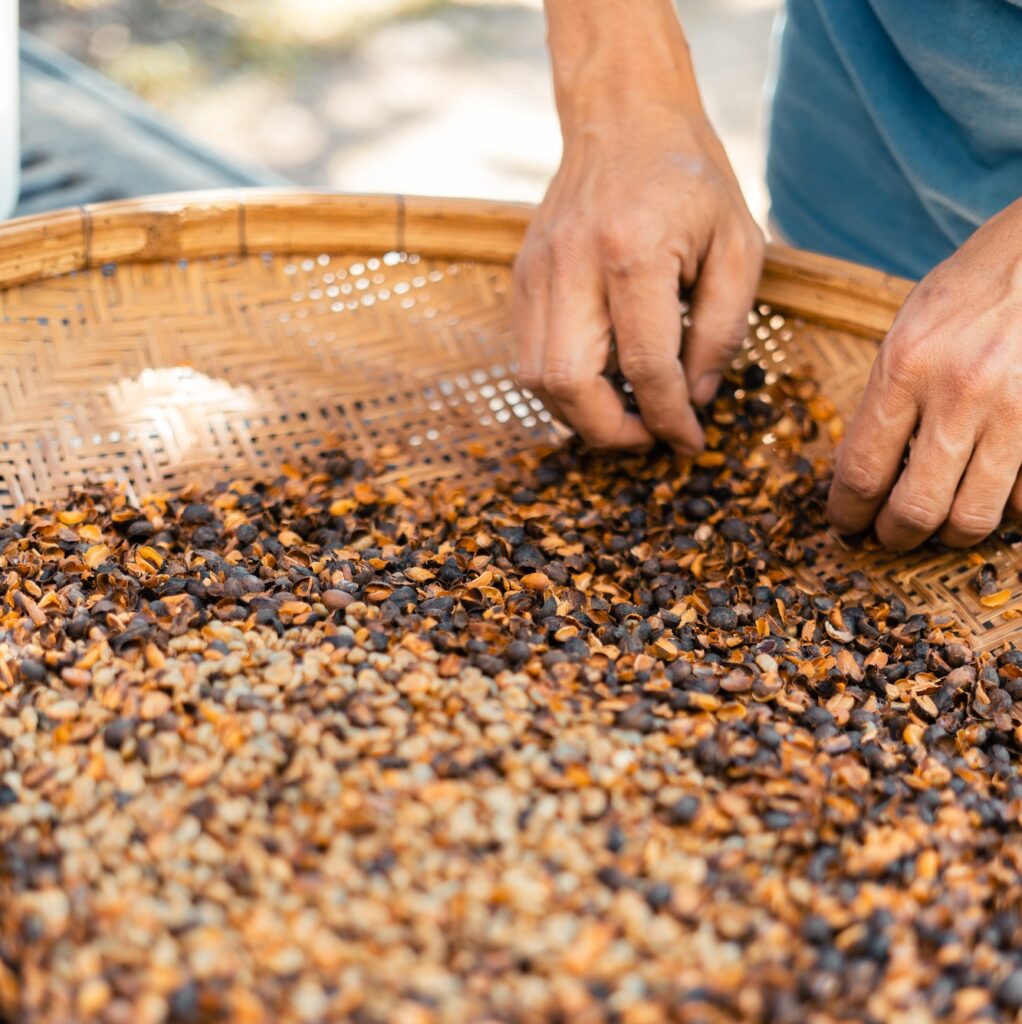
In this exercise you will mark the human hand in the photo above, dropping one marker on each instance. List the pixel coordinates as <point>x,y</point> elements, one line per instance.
<point>948,377</point>
<point>644,203</point>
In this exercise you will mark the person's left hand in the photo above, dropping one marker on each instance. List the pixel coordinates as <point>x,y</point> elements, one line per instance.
<point>948,377</point>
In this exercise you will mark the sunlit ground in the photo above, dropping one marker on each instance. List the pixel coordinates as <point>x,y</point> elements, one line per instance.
<point>449,97</point>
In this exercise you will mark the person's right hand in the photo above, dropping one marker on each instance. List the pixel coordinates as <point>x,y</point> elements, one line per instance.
<point>644,204</point>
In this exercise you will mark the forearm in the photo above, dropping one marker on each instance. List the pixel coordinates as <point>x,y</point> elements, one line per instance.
<point>606,54</point>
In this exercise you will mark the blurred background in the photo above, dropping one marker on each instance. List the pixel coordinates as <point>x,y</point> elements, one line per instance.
<point>445,97</point>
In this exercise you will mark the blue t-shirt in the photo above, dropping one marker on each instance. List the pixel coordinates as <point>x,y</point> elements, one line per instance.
<point>896,127</point>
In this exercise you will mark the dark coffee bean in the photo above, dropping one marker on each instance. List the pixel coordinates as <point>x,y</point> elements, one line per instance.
<point>638,717</point>
<point>616,839</point>
<point>776,819</point>
<point>683,811</point>
<point>115,733</point>
<point>557,573</point>
<point>437,606</point>
<point>816,716</point>
<point>488,664</point>
<point>404,595</point>
<point>139,530</point>
<point>1009,991</point>
<point>659,896</point>
<point>518,652</point>
<point>552,658</point>
<point>698,509</point>
<point>816,930</point>
<point>197,514</point>
<point>246,534</point>
<point>613,878</point>
<point>32,671</point>
<point>528,556</point>
<point>736,530</point>
<point>79,627</point>
<point>184,1002</point>
<point>722,618</point>
<point>753,377</point>
<point>341,640</point>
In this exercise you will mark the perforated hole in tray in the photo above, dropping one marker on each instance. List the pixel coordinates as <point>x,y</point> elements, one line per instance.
<point>767,342</point>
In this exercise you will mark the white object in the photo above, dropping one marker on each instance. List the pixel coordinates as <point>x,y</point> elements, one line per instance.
<point>10,138</point>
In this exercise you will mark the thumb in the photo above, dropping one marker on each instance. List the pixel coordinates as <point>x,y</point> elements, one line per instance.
<point>723,295</point>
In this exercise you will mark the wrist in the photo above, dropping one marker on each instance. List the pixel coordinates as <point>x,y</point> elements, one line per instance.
<point>613,59</point>
<point>614,93</point>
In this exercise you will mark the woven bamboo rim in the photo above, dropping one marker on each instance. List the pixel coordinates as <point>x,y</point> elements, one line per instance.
<point>209,280</point>
<point>199,224</point>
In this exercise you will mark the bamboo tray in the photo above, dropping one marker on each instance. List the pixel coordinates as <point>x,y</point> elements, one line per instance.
<point>164,340</point>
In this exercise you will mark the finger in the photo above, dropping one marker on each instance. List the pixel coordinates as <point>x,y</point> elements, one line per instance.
<point>529,303</point>
<point>870,457</point>
<point>721,300</point>
<point>646,314</point>
<point>921,500</point>
<point>578,343</point>
<point>984,492</point>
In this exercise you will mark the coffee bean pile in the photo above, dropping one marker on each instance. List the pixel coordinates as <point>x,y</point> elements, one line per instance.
<point>572,741</point>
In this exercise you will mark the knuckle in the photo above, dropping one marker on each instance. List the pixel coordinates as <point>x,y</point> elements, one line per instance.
<point>967,382</point>
<point>929,290</point>
<point>560,381</point>
<point>915,515</point>
<point>730,339</point>
<point>530,378</point>
<point>661,422</point>
<point>597,436</point>
<point>904,358</point>
<point>974,523</point>
<point>563,246</point>
<point>619,246</point>
<point>667,428</point>
<point>641,367</point>
<point>860,478</point>
<point>751,244</point>
<point>716,339</point>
